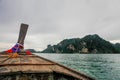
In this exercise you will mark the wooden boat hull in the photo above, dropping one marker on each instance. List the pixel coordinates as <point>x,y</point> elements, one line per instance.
<point>32,67</point>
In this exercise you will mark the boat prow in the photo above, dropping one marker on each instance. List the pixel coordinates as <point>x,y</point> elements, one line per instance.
<point>33,67</point>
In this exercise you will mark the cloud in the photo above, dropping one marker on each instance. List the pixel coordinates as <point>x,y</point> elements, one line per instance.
<point>51,21</point>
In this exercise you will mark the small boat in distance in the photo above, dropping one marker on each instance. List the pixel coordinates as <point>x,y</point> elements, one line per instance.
<point>33,67</point>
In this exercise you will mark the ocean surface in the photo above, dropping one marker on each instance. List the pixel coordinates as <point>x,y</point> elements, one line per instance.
<point>99,66</point>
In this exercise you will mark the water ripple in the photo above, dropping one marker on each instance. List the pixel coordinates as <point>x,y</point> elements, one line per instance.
<point>99,66</point>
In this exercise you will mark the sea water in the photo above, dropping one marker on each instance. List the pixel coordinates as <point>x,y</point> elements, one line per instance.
<point>99,66</point>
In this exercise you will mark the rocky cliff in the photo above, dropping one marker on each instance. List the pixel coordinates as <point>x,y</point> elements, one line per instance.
<point>87,44</point>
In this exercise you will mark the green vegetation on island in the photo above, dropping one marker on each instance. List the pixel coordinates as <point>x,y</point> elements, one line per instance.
<point>87,44</point>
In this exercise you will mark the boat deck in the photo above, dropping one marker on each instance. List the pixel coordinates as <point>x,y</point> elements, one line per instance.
<point>36,64</point>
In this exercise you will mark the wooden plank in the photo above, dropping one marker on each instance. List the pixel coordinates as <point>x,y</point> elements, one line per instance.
<point>16,64</point>
<point>22,33</point>
<point>37,64</point>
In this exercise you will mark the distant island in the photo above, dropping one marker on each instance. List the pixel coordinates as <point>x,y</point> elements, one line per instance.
<point>88,44</point>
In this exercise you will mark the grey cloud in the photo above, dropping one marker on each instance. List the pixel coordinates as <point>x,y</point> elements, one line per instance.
<point>9,10</point>
<point>60,19</point>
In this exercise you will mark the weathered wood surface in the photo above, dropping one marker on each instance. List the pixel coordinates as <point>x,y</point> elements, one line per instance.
<point>36,64</point>
<point>22,33</point>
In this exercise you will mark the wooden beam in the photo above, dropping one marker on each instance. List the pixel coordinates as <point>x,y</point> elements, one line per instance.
<point>16,64</point>
<point>22,33</point>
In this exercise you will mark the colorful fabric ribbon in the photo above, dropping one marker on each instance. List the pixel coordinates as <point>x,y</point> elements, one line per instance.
<point>16,48</point>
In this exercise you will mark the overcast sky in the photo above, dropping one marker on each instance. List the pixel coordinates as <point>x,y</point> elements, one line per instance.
<point>51,21</point>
